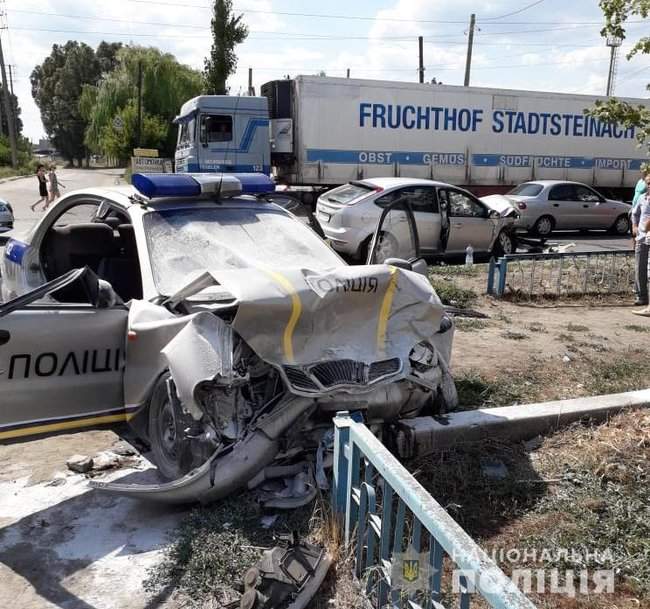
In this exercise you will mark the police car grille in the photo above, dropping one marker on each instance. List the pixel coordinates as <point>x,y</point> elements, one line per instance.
<point>340,372</point>
<point>383,368</point>
<point>299,379</point>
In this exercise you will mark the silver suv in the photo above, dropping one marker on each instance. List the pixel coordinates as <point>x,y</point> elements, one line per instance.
<point>448,218</point>
<point>6,216</point>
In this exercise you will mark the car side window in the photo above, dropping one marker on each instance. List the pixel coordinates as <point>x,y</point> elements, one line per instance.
<point>586,195</point>
<point>216,128</point>
<point>462,205</point>
<point>77,214</point>
<point>562,192</point>
<point>421,198</point>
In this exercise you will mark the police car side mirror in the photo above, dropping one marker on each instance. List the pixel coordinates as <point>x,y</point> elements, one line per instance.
<point>493,214</point>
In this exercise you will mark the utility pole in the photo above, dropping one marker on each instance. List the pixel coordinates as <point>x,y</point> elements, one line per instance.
<point>613,42</point>
<point>421,55</point>
<point>348,73</point>
<point>470,44</point>
<point>139,126</point>
<point>251,90</point>
<point>8,110</point>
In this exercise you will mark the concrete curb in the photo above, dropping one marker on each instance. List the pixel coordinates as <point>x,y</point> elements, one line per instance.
<point>14,178</point>
<point>514,423</point>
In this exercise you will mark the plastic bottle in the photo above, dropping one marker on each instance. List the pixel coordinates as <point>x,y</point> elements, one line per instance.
<point>469,255</point>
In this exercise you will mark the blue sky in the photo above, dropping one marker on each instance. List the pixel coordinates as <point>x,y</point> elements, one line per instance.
<point>554,45</point>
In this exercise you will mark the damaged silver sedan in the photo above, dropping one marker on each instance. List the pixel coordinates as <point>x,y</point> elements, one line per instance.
<point>225,331</point>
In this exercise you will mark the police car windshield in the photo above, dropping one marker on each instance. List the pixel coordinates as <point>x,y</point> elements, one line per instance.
<point>184,241</point>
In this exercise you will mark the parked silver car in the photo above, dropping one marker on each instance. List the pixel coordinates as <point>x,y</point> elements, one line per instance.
<point>448,218</point>
<point>547,205</point>
<point>6,216</point>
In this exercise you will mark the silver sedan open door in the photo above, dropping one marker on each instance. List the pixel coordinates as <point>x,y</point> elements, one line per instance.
<point>61,364</point>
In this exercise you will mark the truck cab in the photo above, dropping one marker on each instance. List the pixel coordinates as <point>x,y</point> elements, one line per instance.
<point>223,133</point>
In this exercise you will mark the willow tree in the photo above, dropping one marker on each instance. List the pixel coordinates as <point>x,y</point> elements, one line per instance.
<point>227,31</point>
<point>617,12</point>
<point>110,108</point>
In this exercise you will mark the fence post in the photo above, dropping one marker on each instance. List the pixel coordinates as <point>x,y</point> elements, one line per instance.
<point>490,277</point>
<point>340,474</point>
<point>503,270</point>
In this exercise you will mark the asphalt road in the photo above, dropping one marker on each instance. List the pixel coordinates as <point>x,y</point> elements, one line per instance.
<point>23,192</point>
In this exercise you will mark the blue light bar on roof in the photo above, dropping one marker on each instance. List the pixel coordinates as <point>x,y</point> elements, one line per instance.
<point>166,185</point>
<point>254,183</point>
<point>155,185</point>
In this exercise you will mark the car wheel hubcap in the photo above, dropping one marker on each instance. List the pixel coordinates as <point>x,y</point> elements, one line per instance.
<point>168,431</point>
<point>544,226</point>
<point>506,243</point>
<point>621,225</point>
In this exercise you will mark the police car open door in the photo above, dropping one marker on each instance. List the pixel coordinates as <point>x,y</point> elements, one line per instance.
<point>61,364</point>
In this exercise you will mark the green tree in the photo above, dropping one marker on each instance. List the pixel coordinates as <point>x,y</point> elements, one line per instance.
<point>16,111</point>
<point>110,107</point>
<point>617,12</point>
<point>227,31</point>
<point>56,88</point>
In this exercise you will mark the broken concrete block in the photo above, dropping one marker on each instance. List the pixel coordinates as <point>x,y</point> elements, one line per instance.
<point>79,463</point>
<point>105,460</point>
<point>123,449</point>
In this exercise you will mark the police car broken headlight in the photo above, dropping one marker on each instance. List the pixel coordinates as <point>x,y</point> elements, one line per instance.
<point>423,357</point>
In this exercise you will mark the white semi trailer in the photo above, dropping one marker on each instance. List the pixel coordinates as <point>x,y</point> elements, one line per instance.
<point>326,131</point>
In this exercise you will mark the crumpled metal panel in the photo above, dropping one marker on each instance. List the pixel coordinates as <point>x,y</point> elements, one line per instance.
<point>362,313</point>
<point>201,351</point>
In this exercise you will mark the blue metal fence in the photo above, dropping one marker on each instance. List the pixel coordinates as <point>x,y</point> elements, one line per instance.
<point>389,517</point>
<point>557,274</point>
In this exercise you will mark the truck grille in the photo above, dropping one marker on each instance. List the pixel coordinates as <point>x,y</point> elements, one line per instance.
<point>326,375</point>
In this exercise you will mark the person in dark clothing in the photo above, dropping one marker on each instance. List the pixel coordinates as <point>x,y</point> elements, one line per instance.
<point>42,188</point>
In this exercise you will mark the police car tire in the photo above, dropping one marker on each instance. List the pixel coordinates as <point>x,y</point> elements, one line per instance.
<point>159,410</point>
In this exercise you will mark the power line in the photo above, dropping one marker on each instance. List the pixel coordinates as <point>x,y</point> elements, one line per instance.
<point>368,17</point>
<point>521,10</point>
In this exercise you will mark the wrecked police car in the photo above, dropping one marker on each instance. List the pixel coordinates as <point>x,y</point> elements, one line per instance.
<point>219,326</point>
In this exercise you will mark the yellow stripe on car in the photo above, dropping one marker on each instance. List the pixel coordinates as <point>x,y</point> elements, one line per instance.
<point>64,425</point>
<point>384,312</point>
<point>296,311</point>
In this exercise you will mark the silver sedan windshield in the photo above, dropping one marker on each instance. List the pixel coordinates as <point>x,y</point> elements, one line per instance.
<point>184,241</point>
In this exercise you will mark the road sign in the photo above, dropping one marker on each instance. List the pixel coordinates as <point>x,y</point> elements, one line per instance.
<point>148,152</point>
<point>143,164</point>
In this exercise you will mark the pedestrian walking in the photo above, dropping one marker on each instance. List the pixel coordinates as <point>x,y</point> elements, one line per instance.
<point>640,247</point>
<point>53,184</point>
<point>42,188</point>
<point>641,234</point>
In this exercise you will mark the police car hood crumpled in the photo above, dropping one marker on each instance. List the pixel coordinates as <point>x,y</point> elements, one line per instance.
<point>363,313</point>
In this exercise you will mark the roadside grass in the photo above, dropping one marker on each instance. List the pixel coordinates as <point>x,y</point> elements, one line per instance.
<point>512,335</point>
<point>571,327</point>
<point>553,379</point>
<point>583,491</point>
<point>215,545</point>
<point>465,324</point>
<point>536,327</point>
<point>451,293</point>
<point>635,328</point>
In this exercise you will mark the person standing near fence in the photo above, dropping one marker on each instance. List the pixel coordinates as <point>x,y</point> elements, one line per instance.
<point>641,248</point>
<point>641,232</point>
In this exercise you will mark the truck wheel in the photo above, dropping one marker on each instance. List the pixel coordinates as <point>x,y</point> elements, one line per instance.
<point>165,445</point>
<point>544,226</point>
<point>504,244</point>
<point>621,226</point>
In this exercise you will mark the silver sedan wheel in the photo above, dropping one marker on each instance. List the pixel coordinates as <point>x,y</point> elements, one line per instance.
<point>544,226</point>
